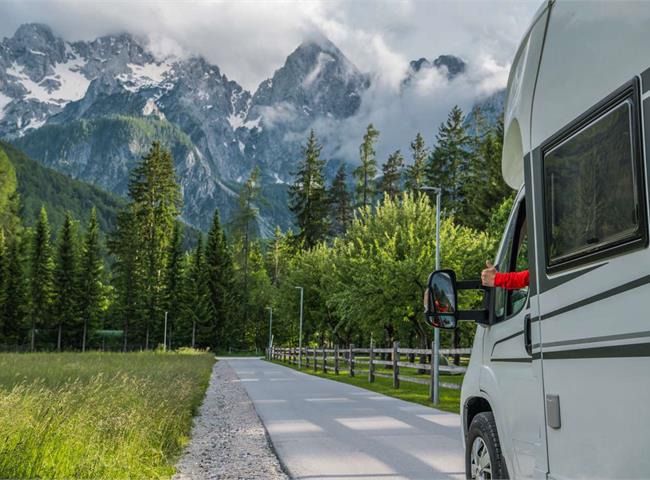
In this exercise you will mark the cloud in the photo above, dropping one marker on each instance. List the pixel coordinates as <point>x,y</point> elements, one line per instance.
<point>250,39</point>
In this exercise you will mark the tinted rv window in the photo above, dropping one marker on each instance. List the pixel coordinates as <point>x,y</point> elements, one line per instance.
<point>591,190</point>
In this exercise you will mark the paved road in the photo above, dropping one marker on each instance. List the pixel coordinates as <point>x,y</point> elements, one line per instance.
<point>329,430</point>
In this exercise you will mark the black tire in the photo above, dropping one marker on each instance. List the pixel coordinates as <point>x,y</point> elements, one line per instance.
<point>484,427</point>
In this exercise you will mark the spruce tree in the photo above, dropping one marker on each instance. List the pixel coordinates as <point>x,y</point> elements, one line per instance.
<point>414,175</point>
<point>365,173</point>
<point>340,204</point>
<point>392,172</point>
<point>308,196</point>
<point>15,306</point>
<point>91,288</point>
<point>124,244</point>
<point>195,307</point>
<point>155,203</point>
<point>66,291</point>
<point>174,280</point>
<point>41,277</point>
<point>449,162</point>
<point>219,275</point>
<point>3,281</point>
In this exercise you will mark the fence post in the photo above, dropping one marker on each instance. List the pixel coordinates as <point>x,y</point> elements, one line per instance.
<point>395,366</point>
<point>336,359</point>
<point>324,359</point>
<point>315,359</point>
<point>371,367</point>
<point>352,359</point>
<point>433,373</point>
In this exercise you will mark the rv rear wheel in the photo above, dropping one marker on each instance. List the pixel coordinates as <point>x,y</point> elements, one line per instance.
<point>483,458</point>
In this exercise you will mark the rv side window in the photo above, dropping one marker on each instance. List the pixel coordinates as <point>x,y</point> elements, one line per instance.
<point>592,189</point>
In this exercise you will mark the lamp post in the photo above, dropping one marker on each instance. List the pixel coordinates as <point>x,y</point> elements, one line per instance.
<point>436,332</point>
<point>300,334</point>
<point>270,309</point>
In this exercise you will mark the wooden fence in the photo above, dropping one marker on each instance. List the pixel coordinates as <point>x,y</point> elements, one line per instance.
<point>364,361</point>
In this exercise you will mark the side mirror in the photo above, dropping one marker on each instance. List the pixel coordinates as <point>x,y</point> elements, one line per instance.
<point>440,299</point>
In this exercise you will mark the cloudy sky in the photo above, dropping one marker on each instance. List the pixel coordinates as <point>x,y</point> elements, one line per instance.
<point>249,39</point>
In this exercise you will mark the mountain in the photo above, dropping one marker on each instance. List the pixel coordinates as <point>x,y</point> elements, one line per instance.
<point>90,109</point>
<point>40,186</point>
<point>489,108</point>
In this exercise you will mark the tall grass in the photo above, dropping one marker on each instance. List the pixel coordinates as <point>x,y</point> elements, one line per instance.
<point>97,415</point>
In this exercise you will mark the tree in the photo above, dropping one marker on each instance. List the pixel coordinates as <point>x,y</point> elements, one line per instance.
<point>90,279</point>
<point>450,159</point>
<point>41,276</point>
<point>173,296</point>
<point>127,273</point>
<point>484,188</point>
<point>15,290</point>
<point>196,307</point>
<point>340,205</point>
<point>155,204</point>
<point>415,174</point>
<point>365,173</point>
<point>308,197</point>
<point>390,182</point>
<point>219,276</point>
<point>66,292</point>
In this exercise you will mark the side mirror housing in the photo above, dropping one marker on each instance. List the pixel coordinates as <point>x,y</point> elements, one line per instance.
<point>441,301</point>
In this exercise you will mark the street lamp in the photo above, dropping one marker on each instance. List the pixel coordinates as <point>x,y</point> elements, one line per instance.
<point>270,309</point>
<point>436,332</point>
<point>300,334</point>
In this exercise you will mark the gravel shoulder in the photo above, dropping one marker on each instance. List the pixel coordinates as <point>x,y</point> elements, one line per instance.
<point>228,439</point>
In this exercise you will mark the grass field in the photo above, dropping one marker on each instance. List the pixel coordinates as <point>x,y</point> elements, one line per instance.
<point>411,392</point>
<point>97,415</point>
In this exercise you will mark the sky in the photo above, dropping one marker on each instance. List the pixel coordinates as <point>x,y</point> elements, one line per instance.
<point>250,39</point>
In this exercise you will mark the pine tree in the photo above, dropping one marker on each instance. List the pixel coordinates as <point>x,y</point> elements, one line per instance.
<point>174,280</point>
<point>365,173</point>
<point>392,172</point>
<point>196,308</point>
<point>450,159</point>
<point>155,203</point>
<point>219,274</point>
<point>127,273</point>
<point>340,204</point>
<point>90,279</point>
<point>308,197</point>
<point>41,277</point>
<point>414,176</point>
<point>15,307</point>
<point>484,189</point>
<point>66,271</point>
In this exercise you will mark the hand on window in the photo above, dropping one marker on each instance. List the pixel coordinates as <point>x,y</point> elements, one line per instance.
<point>488,275</point>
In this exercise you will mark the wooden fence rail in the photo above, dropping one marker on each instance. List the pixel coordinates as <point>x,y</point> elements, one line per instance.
<point>349,360</point>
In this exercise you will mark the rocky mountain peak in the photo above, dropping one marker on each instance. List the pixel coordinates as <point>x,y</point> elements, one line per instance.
<point>454,65</point>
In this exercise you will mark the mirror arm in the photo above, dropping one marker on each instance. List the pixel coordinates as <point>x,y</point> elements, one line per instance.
<point>479,316</point>
<point>469,285</point>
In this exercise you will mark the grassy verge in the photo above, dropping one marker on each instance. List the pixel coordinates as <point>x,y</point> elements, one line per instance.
<point>411,392</point>
<point>97,415</point>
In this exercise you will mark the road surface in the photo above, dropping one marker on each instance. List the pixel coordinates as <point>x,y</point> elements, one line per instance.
<point>323,429</point>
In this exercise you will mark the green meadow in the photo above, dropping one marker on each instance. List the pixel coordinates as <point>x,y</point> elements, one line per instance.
<point>97,415</point>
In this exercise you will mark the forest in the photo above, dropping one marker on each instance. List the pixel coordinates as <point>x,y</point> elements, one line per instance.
<point>362,248</point>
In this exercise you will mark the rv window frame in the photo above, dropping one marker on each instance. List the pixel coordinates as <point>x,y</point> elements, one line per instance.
<point>630,91</point>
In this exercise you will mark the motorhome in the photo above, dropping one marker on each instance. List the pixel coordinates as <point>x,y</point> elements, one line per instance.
<point>558,384</point>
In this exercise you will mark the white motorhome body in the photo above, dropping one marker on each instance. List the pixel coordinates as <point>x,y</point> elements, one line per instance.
<point>563,366</point>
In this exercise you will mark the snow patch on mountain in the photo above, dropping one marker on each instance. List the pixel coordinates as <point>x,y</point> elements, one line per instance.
<point>4,101</point>
<point>147,75</point>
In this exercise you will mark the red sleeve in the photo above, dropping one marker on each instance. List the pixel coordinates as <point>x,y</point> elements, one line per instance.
<point>512,280</point>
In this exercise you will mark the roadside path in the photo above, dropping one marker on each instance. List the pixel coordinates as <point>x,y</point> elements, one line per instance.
<point>323,429</point>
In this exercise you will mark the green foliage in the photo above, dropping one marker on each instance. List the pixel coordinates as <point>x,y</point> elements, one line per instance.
<point>392,173</point>
<point>415,174</point>
<point>9,220</point>
<point>41,277</point>
<point>308,196</point>
<point>66,293</point>
<point>340,203</point>
<point>97,415</point>
<point>365,173</point>
<point>91,287</point>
